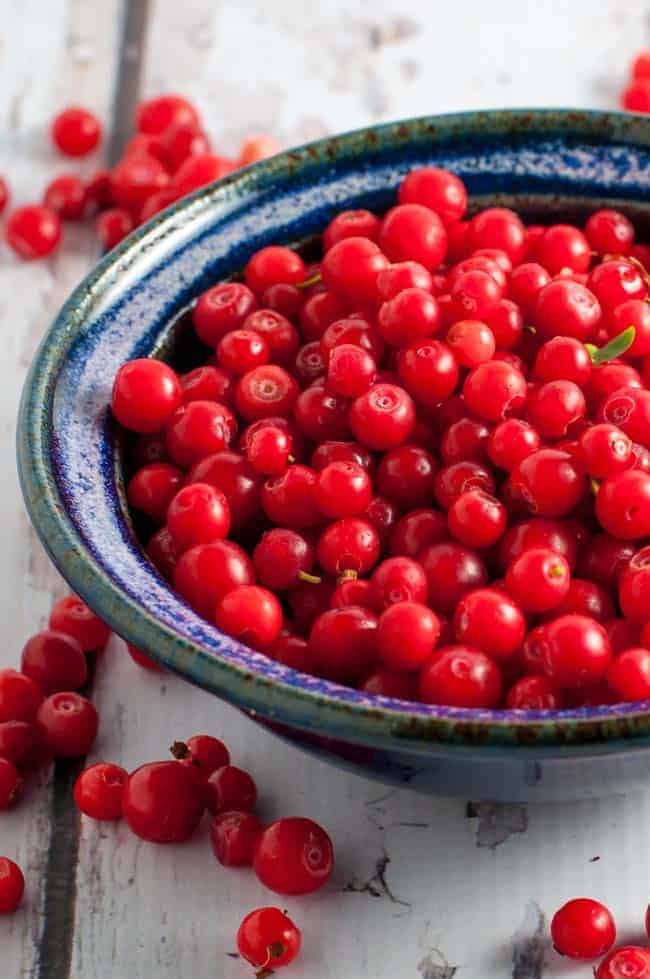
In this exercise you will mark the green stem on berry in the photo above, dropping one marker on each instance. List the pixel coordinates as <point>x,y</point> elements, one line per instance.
<point>613,349</point>
<point>311,281</point>
<point>311,579</point>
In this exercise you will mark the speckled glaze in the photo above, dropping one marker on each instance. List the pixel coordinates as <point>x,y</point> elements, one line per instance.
<point>546,162</point>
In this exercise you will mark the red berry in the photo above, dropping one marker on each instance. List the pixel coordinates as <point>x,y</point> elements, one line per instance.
<point>198,514</point>
<point>321,415</point>
<point>231,473</point>
<point>12,885</point>
<point>461,477</point>
<point>76,131</point>
<point>274,264</point>
<point>66,196</point>
<point>428,371</point>
<point>208,384</point>
<point>459,676</point>
<point>562,246</point>
<point>69,724</point>
<point>10,783</point>
<point>349,544</point>
<point>158,114</point>
<point>609,232</point>
<point>289,500</point>
<point>233,836</point>
<point>143,660</point>
<point>250,614</point>
<point>268,939</point>
<point>293,856</point>
<point>437,189</point>
<point>417,530</point>
<point>477,519</point>
<point>411,232</point>
<point>615,282</point>
<point>55,661</point>
<point>197,430</point>
<point>623,505</point>
<point>383,682</point>
<point>152,488</point>
<point>4,194</point>
<point>351,224</point>
<point>242,350</point>
<point>452,571</point>
<point>22,744</point>
<point>99,790</point>
<point>538,579</point>
<point>471,342</point>
<point>525,284</point>
<point>534,693</point>
<point>206,753</point>
<point>606,450</point>
<point>410,315</point>
<point>576,651</point>
<point>566,308</point>
<point>627,961</point>
<point>583,929</point>
<point>490,620</point>
<point>205,574</point>
<point>229,788</point>
<point>164,801</point>
<point>403,275</point>
<point>20,696</point>
<point>33,231</point>
<point>182,140</point>
<point>135,178</point>
<point>145,395</point>
<point>406,635</point>
<point>350,371</point>
<point>265,391</point>
<point>629,674</point>
<point>112,226</point>
<point>506,322</point>
<point>494,390</point>
<point>278,332</point>
<point>549,482</point>
<point>268,450</point>
<point>511,442</point>
<point>72,616</point>
<point>282,558</point>
<point>199,170</point>
<point>343,489</point>
<point>382,418</point>
<point>498,227</point>
<point>629,408</point>
<point>342,643</point>
<point>635,313</point>
<point>221,309</point>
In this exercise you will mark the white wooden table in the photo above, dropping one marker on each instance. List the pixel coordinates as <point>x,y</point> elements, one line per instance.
<point>421,890</point>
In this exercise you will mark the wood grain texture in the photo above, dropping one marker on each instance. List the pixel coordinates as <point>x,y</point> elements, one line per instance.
<point>422,890</point>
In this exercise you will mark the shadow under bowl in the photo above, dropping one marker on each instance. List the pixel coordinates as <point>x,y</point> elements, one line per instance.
<point>549,165</point>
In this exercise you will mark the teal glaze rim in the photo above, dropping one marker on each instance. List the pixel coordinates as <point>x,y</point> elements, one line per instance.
<point>383,725</point>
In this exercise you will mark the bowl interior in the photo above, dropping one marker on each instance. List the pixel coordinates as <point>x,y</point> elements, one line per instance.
<point>545,164</point>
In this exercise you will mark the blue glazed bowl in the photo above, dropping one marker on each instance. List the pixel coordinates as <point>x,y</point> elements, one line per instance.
<point>545,163</point>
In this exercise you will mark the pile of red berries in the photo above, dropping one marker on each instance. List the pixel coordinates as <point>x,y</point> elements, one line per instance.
<point>169,156</point>
<point>421,464</point>
<point>585,929</point>
<point>636,95</point>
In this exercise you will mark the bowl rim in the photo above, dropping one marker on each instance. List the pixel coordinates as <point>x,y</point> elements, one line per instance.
<point>386,722</point>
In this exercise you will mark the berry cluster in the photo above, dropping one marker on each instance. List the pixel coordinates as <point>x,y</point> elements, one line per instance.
<point>636,95</point>
<point>169,156</point>
<point>419,465</point>
<point>585,929</point>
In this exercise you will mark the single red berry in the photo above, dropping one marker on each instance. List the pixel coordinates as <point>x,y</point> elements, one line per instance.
<point>20,696</point>
<point>351,224</point>
<point>69,724</point>
<point>268,939</point>
<point>289,500</point>
<point>406,635</point>
<point>629,674</point>
<point>498,227</point>
<point>10,783</point>
<point>197,171</point>
<point>538,579</point>
<point>242,350</point>
<point>549,482</point>
<point>198,514</point>
<point>629,408</point>
<point>403,275</point>
<point>477,519</point>
<point>22,743</point>
<point>66,196</point>
<point>586,598</point>
<point>609,232</point>
<point>233,836</point>
<point>136,178</point>
<point>416,531</point>
<point>410,315</point>
<point>282,558</point>
<point>535,692</point>
<point>635,313</point>
<point>274,264</point>
<point>342,643</point>
<point>459,676</point>
<point>461,477</point>
<point>208,383</point>
<point>627,961</point>
<point>348,545</point>
<point>293,856</point>
<point>382,418</point>
<point>72,616</point>
<point>525,284</point>
<point>490,620</point>
<point>353,591</point>
<point>383,682</point>
<point>615,282</point>
<point>576,651</point>
<point>278,332</point>
<point>452,570</point>
<point>623,505</point>
<point>12,885</point>
<point>535,532</point>
<point>161,552</point>
<point>205,574</point>
<point>555,406</point>
<point>145,394</point>
<point>428,370</point>
<point>562,246</point>
<point>76,131</point>
<point>250,614</point>
<point>343,489</point>
<point>566,308</point>
<point>435,188</point>
<point>99,790</point>
<point>606,450</point>
<point>197,430</point>
<point>265,391</point>
<point>471,342</point>
<point>321,415</point>
<point>350,371</point>
<point>309,365</point>
<point>292,651</point>
<point>221,309</point>
<point>164,801</point>
<point>398,579</point>
<point>268,450</point>
<point>152,488</point>
<point>506,322</point>
<point>494,390</point>
<point>158,114</point>
<point>283,298</point>
<point>412,232</point>
<point>205,753</point>
<point>229,788</point>
<point>511,442</point>
<point>182,140</point>
<point>405,475</point>
<point>563,359</point>
<point>55,661</point>
<point>33,231</point>
<point>583,929</point>
<point>332,451</point>
<point>112,226</point>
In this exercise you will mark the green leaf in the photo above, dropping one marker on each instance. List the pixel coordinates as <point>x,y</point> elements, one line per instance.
<point>616,346</point>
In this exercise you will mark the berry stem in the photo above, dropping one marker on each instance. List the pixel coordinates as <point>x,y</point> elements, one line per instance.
<point>312,579</point>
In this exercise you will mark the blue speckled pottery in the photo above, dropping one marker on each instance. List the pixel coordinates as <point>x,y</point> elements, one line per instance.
<point>545,163</point>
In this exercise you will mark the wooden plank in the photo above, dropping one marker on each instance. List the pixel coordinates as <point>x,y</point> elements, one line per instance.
<point>73,48</point>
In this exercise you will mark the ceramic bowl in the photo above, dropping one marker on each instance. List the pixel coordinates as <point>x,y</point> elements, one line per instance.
<point>545,163</point>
